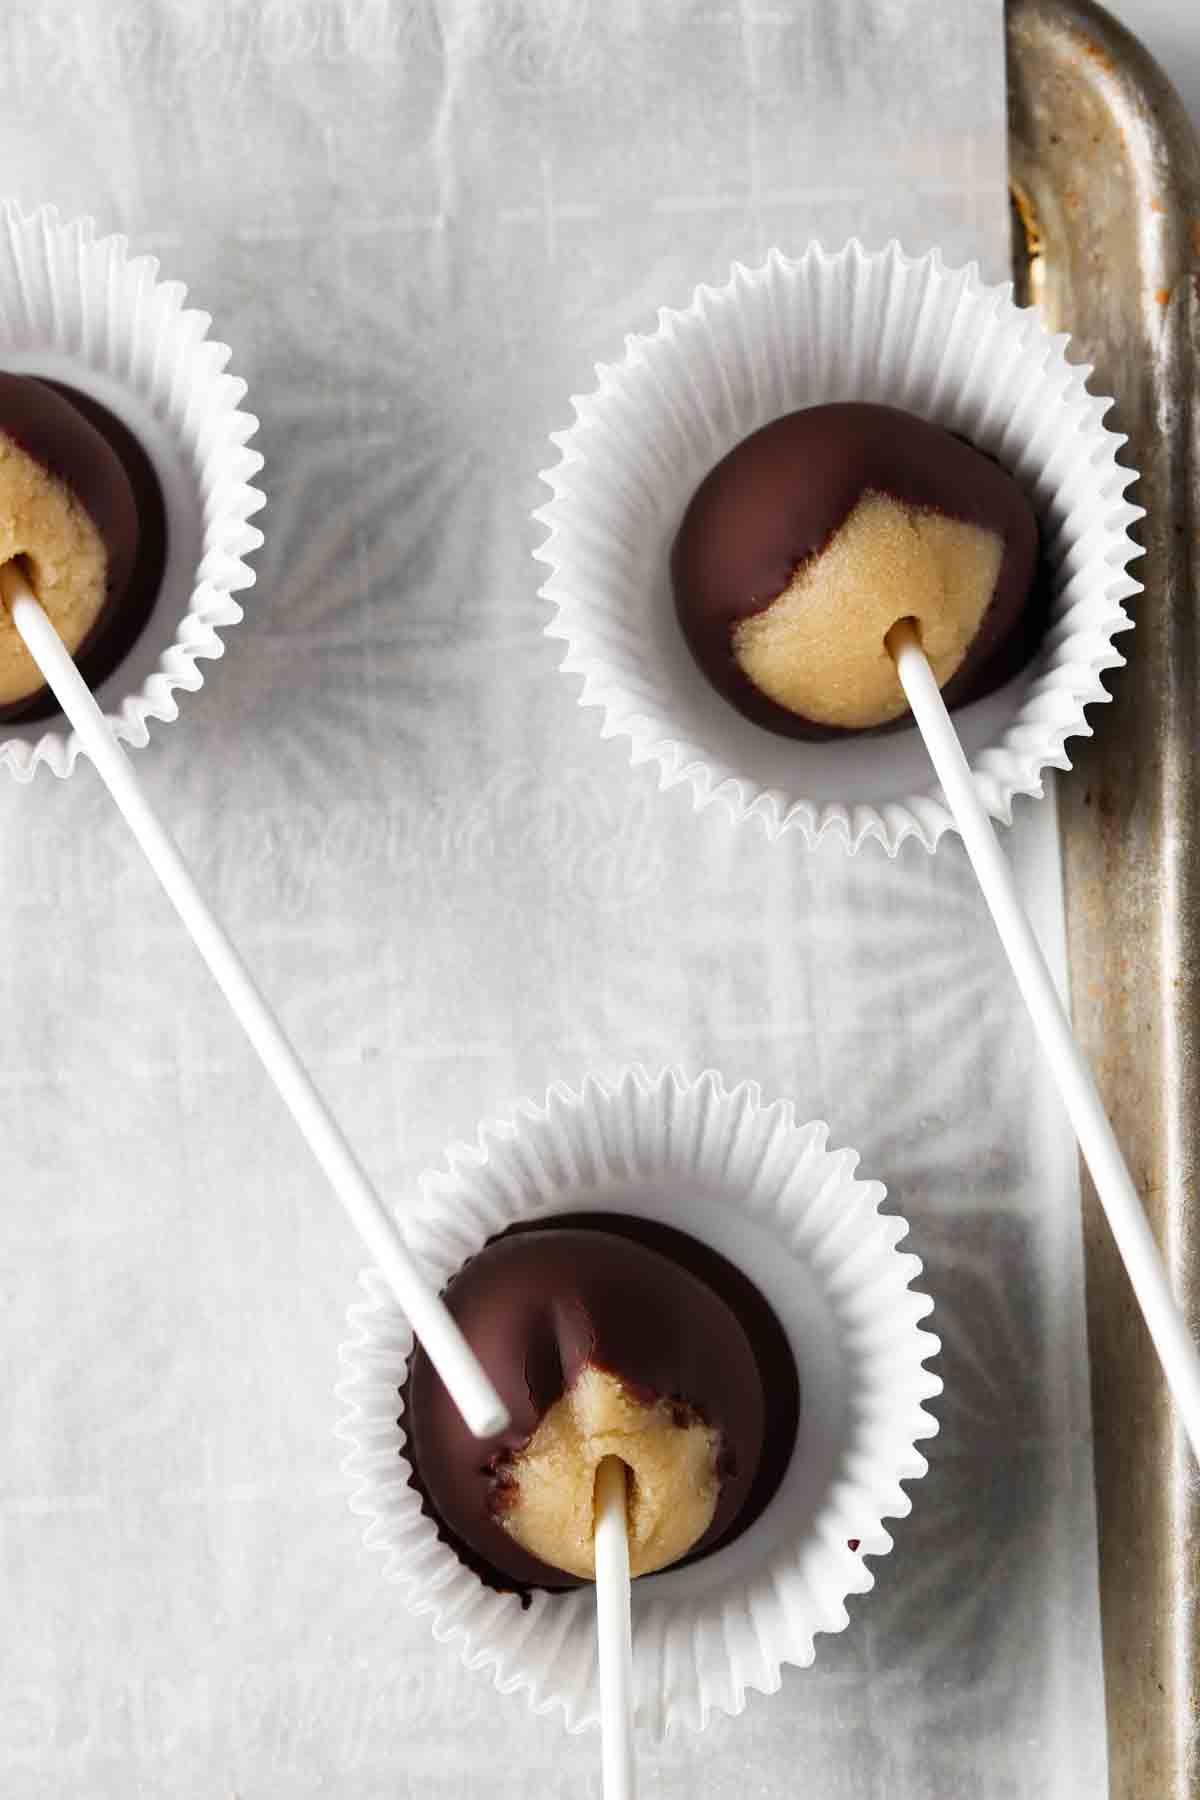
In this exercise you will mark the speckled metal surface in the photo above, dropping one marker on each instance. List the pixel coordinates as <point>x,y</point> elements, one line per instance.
<point>1106,182</point>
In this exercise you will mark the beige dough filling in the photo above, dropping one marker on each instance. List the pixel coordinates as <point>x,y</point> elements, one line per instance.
<point>672,1479</point>
<point>819,648</point>
<point>65,558</point>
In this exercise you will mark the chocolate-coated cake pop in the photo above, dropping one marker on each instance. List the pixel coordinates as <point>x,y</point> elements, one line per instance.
<point>815,535</point>
<point>80,506</point>
<point>602,1344</point>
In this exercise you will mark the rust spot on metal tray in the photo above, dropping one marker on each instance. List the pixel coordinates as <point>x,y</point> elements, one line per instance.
<point>1095,51</point>
<point>1031,235</point>
<point>1027,246</point>
<point>1163,296</point>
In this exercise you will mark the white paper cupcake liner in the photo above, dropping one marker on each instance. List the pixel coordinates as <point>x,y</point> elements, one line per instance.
<point>80,309</point>
<point>882,327</point>
<point>767,1193</point>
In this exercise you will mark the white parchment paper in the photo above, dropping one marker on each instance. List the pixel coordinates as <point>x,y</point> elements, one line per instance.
<point>419,225</point>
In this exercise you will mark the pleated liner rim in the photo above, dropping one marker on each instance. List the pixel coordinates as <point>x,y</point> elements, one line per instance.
<point>1088,614</point>
<point>71,293</point>
<point>705,1653</point>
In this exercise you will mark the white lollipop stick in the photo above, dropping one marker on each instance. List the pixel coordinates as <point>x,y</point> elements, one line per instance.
<point>448,1350</point>
<point>613,1632</point>
<point>1130,1228</point>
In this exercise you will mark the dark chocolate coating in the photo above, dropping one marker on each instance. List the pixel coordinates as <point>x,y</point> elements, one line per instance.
<point>781,494</point>
<point>669,1316</point>
<point>105,467</point>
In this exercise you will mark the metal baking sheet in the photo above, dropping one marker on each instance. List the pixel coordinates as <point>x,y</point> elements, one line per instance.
<point>1105,172</point>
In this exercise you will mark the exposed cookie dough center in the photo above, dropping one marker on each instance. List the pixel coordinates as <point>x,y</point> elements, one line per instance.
<point>64,559</point>
<point>819,647</point>
<point>547,1502</point>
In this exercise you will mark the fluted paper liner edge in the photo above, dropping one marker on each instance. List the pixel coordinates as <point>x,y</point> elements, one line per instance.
<point>704,1637</point>
<point>792,333</point>
<point>86,303</point>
